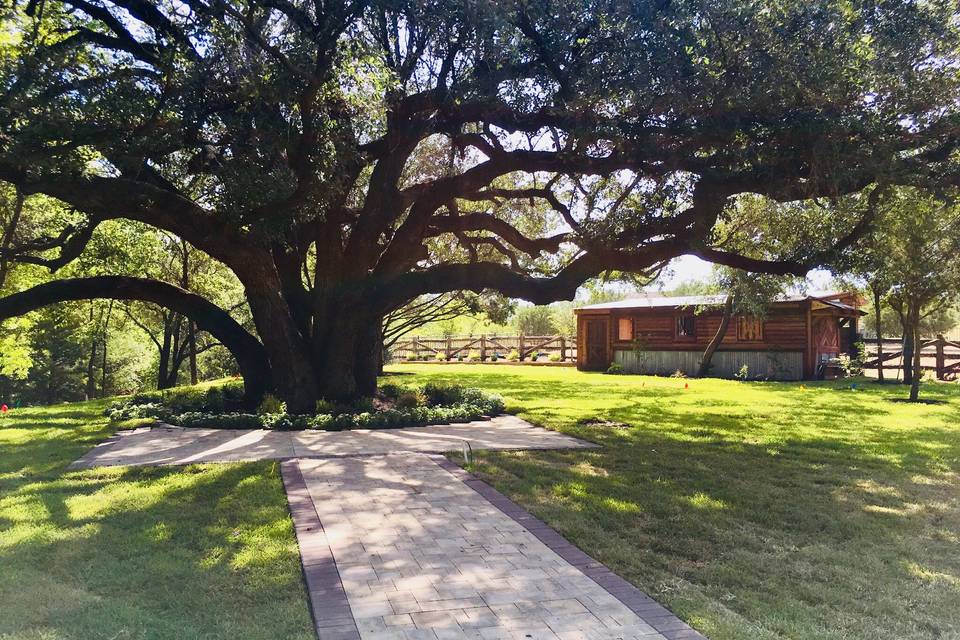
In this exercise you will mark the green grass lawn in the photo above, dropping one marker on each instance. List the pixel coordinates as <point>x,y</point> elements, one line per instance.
<point>205,551</point>
<point>753,510</point>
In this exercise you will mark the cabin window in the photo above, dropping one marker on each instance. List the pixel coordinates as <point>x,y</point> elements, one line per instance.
<point>625,329</point>
<point>686,327</point>
<point>749,329</point>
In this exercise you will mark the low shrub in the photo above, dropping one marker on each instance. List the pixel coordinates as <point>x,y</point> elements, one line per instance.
<point>388,390</point>
<point>554,357</point>
<point>271,404</point>
<point>615,368</point>
<point>440,357</point>
<point>219,398</point>
<point>414,406</point>
<point>514,356</point>
<point>410,399</point>
<point>219,420</point>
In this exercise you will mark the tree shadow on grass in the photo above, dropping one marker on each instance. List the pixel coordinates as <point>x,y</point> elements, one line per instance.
<point>205,551</point>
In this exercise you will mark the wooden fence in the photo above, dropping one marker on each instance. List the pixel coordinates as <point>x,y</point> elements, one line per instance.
<point>487,348</point>
<point>941,356</point>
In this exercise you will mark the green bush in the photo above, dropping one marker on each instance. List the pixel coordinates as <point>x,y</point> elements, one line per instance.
<point>324,406</point>
<point>615,368</point>
<point>389,390</point>
<point>514,356</point>
<point>432,404</point>
<point>271,404</point>
<point>410,399</point>
<point>219,398</point>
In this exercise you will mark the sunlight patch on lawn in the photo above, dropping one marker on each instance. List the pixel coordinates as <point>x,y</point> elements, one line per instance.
<point>933,577</point>
<point>701,500</point>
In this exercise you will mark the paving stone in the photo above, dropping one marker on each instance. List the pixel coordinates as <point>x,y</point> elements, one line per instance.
<point>398,543</point>
<point>457,558</point>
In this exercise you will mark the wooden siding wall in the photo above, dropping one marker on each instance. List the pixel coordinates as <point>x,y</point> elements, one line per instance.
<point>766,365</point>
<point>784,329</point>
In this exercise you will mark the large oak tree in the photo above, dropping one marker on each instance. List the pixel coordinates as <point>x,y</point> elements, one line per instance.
<point>343,157</point>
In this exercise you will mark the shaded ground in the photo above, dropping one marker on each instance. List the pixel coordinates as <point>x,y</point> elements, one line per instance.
<point>753,510</point>
<point>203,551</point>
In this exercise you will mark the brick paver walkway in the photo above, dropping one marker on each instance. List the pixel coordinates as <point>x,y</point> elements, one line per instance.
<point>398,543</point>
<point>425,552</point>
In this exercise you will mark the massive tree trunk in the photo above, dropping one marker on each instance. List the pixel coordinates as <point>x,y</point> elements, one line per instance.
<point>294,376</point>
<point>717,338</point>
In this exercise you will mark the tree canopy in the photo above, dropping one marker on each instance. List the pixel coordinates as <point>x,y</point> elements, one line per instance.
<point>344,157</point>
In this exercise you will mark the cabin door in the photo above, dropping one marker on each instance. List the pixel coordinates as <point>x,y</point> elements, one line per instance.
<point>597,358</point>
<point>826,338</point>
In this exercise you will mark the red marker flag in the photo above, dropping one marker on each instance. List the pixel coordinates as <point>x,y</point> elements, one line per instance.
<point>4,408</point>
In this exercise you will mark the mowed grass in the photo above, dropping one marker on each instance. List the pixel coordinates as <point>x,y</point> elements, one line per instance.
<point>204,551</point>
<point>753,510</point>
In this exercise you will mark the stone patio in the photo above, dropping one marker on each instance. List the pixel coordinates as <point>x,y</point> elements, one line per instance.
<point>399,543</point>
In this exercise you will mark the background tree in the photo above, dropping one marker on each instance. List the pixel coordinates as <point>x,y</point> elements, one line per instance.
<point>298,143</point>
<point>535,320</point>
<point>920,234</point>
<point>745,294</point>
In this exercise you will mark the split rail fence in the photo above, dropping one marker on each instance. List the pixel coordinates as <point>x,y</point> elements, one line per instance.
<point>941,356</point>
<point>486,348</point>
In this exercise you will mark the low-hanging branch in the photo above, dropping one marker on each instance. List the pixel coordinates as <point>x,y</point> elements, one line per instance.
<point>250,355</point>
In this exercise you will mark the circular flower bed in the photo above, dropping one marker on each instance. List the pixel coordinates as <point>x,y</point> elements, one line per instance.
<point>394,407</point>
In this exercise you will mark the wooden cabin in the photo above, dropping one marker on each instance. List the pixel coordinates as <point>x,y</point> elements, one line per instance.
<point>797,339</point>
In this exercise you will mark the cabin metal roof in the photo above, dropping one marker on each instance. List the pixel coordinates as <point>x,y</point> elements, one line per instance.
<point>657,301</point>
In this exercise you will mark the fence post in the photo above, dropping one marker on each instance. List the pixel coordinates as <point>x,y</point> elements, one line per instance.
<point>941,358</point>
<point>563,349</point>
<point>520,347</point>
<point>416,347</point>
<point>483,348</point>
<point>446,351</point>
